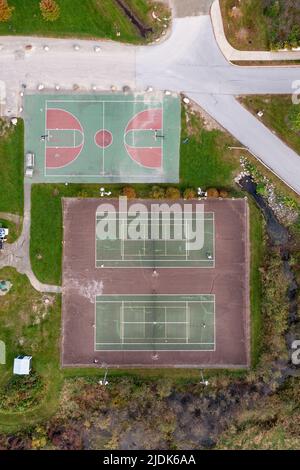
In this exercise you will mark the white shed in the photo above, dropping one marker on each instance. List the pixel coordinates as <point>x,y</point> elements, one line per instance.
<point>22,365</point>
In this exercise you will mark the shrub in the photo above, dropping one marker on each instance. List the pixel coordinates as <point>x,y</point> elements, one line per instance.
<point>189,193</point>
<point>213,192</point>
<point>223,193</point>
<point>50,10</point>
<point>129,192</point>
<point>173,193</point>
<point>157,192</point>
<point>21,392</point>
<point>5,11</point>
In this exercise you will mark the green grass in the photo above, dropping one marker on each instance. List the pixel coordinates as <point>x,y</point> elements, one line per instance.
<point>277,110</point>
<point>14,230</point>
<point>86,19</point>
<point>12,169</point>
<point>257,25</point>
<point>206,160</point>
<point>27,326</point>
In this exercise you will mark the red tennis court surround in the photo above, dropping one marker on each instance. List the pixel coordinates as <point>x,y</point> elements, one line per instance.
<point>103,138</point>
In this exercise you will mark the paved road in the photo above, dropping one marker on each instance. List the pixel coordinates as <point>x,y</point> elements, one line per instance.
<point>188,61</point>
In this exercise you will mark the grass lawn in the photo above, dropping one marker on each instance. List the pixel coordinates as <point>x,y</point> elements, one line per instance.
<point>276,116</point>
<point>14,230</point>
<point>12,169</point>
<point>28,326</point>
<point>261,25</point>
<point>86,19</point>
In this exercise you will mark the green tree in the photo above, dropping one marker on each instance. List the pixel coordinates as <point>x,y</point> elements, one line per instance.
<point>50,10</point>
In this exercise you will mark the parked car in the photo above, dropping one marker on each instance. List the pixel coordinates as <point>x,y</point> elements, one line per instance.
<point>29,164</point>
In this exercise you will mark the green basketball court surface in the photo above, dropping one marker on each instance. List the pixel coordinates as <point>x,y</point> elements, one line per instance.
<point>155,322</point>
<point>113,137</point>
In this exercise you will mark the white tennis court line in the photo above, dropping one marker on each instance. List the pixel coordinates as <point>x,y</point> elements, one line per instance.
<point>185,305</point>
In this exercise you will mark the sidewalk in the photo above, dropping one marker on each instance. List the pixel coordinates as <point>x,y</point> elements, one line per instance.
<point>232,54</point>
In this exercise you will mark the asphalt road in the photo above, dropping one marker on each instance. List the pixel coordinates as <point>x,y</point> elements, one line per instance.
<point>188,61</point>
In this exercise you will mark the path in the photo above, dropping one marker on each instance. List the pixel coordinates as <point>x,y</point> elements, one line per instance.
<point>17,255</point>
<point>234,55</point>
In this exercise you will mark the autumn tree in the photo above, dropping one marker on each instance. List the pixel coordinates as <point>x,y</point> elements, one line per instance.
<point>50,10</point>
<point>5,11</point>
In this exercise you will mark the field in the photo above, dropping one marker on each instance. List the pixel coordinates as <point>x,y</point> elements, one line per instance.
<point>261,25</point>
<point>278,116</point>
<point>85,19</point>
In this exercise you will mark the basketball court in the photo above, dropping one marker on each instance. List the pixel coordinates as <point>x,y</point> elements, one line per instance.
<point>158,310</point>
<point>103,138</point>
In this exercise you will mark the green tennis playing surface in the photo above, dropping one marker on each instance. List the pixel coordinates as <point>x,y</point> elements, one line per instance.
<point>158,322</point>
<point>155,244</point>
<point>113,137</point>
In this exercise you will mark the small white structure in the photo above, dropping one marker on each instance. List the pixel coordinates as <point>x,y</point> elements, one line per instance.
<point>22,365</point>
<point>260,114</point>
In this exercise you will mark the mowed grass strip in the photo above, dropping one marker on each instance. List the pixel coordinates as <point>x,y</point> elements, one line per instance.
<point>86,19</point>
<point>277,110</point>
<point>12,169</point>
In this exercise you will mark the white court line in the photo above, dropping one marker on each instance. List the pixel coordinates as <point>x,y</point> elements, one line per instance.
<point>122,322</point>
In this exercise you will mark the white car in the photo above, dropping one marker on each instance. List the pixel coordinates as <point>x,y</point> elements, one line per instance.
<point>29,164</point>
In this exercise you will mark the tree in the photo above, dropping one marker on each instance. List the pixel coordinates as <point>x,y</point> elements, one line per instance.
<point>189,193</point>
<point>129,192</point>
<point>5,11</point>
<point>173,193</point>
<point>50,10</point>
<point>213,192</point>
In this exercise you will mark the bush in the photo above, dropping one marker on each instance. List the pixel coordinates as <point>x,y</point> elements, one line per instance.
<point>21,392</point>
<point>129,192</point>
<point>224,194</point>
<point>157,192</point>
<point>5,11</point>
<point>189,193</point>
<point>213,192</point>
<point>173,193</point>
<point>50,10</point>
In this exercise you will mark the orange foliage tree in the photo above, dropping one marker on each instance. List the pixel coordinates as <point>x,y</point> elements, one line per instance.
<point>50,10</point>
<point>5,11</point>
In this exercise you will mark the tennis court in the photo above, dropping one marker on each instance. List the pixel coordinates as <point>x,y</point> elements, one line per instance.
<point>107,138</point>
<point>155,323</point>
<point>157,243</point>
<point>184,315</point>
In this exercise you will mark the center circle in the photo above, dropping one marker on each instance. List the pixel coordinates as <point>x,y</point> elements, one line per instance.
<point>103,138</point>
